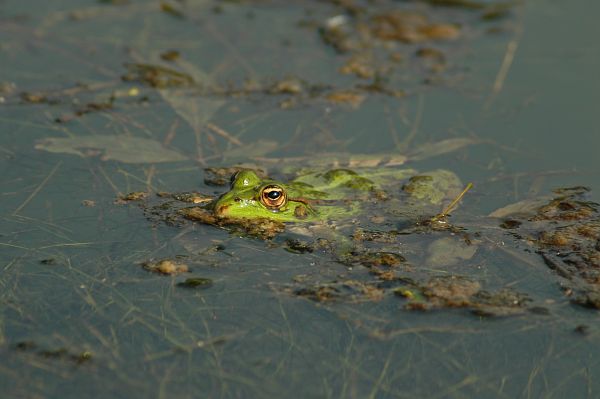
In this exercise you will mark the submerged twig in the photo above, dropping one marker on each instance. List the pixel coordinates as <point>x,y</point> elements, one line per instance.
<point>507,61</point>
<point>109,181</point>
<point>509,57</point>
<point>223,133</point>
<point>415,125</point>
<point>38,188</point>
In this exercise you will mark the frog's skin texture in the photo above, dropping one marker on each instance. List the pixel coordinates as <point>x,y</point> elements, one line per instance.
<point>331,195</point>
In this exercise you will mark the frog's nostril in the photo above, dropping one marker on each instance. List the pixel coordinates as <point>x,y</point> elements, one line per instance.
<point>222,209</point>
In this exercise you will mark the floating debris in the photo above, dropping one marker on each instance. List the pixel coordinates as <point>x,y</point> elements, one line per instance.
<point>62,354</point>
<point>134,196</point>
<point>565,230</point>
<point>196,282</point>
<point>157,76</point>
<point>166,266</point>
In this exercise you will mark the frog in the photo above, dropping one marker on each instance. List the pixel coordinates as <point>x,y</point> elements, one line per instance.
<point>331,195</point>
<point>326,203</point>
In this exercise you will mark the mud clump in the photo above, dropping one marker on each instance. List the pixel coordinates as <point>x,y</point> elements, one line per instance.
<point>450,291</point>
<point>461,292</point>
<point>346,290</point>
<point>257,227</point>
<point>438,292</point>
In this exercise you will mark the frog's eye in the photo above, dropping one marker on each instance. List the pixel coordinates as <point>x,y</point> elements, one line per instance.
<point>273,196</point>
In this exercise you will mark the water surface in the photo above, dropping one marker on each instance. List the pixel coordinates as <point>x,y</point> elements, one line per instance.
<point>79,316</point>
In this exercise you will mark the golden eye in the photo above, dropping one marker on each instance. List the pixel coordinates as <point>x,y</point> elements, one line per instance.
<point>273,197</point>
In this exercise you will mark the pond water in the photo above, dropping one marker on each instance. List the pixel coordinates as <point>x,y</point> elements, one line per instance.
<point>102,98</point>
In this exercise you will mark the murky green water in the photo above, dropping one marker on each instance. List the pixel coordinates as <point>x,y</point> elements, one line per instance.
<point>80,317</point>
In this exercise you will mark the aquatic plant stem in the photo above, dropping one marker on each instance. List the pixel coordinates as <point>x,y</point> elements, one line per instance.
<point>449,208</point>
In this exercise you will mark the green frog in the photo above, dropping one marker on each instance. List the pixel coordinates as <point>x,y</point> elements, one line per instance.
<point>329,196</point>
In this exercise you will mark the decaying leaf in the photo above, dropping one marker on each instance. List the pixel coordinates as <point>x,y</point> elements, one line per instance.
<point>524,207</point>
<point>178,82</point>
<point>449,251</point>
<point>126,149</point>
<point>195,110</point>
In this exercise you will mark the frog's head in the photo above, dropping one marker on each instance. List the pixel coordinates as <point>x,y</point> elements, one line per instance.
<point>251,197</point>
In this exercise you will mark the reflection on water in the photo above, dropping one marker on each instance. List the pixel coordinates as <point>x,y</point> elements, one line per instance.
<point>102,99</point>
